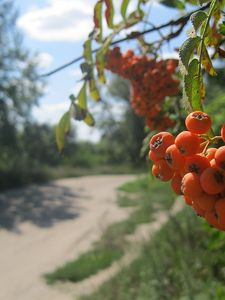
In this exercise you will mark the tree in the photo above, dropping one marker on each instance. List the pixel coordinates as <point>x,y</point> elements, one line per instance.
<point>19,90</point>
<point>122,136</point>
<point>155,85</point>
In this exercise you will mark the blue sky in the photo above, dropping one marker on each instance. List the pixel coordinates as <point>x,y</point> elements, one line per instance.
<point>56,29</point>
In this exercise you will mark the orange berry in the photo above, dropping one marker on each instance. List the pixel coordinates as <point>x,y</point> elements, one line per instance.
<point>220,211</point>
<point>223,132</point>
<point>162,171</point>
<point>173,157</point>
<point>196,163</point>
<point>213,163</point>
<point>212,218</point>
<point>210,153</point>
<point>220,157</point>
<point>198,210</point>
<point>187,143</point>
<point>206,202</point>
<point>212,180</point>
<point>190,185</point>
<point>153,156</point>
<point>198,122</point>
<point>188,200</point>
<point>160,142</point>
<point>176,184</point>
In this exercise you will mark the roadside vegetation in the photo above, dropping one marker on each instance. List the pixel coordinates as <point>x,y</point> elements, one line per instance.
<point>146,198</point>
<point>184,260</point>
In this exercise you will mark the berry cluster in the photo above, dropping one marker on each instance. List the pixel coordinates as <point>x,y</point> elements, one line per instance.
<point>196,170</point>
<point>151,82</point>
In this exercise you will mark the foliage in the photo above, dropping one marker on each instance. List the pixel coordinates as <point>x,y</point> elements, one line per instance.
<point>88,264</point>
<point>207,31</point>
<point>175,264</point>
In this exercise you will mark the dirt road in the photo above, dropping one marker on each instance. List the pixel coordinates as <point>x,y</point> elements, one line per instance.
<point>42,227</point>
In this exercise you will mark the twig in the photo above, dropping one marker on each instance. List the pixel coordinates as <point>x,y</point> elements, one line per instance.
<point>182,20</point>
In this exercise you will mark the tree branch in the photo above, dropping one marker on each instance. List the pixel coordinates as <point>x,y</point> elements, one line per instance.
<point>180,21</point>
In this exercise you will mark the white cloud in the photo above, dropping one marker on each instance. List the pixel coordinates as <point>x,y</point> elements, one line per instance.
<point>59,20</point>
<point>65,20</point>
<point>167,55</point>
<point>44,60</point>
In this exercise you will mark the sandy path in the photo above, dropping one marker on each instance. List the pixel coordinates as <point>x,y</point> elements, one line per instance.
<point>141,235</point>
<point>44,226</point>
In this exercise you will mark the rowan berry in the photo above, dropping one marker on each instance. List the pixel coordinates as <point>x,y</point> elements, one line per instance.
<point>199,211</point>
<point>176,184</point>
<point>190,185</point>
<point>153,156</point>
<point>220,157</point>
<point>223,132</point>
<point>198,122</point>
<point>173,157</point>
<point>210,153</point>
<point>160,142</point>
<point>188,200</point>
<point>187,143</point>
<point>212,180</point>
<point>162,171</point>
<point>220,211</point>
<point>196,163</point>
<point>212,218</point>
<point>206,202</point>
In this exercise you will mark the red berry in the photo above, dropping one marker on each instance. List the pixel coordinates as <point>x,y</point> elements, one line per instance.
<point>198,122</point>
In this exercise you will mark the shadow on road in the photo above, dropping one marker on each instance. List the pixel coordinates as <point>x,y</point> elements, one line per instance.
<point>42,205</point>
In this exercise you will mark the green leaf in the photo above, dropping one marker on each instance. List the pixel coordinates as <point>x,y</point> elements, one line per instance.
<point>87,53</point>
<point>82,97</point>
<point>206,61</point>
<point>198,18</point>
<point>109,13</point>
<point>178,4</point>
<point>94,92</point>
<point>89,120</point>
<point>193,86</point>
<point>187,50</point>
<point>62,129</point>
<point>123,8</point>
<point>98,21</point>
<point>100,64</point>
<point>222,28</point>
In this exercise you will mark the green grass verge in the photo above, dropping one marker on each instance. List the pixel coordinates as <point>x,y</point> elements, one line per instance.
<point>88,264</point>
<point>112,245</point>
<point>184,261</point>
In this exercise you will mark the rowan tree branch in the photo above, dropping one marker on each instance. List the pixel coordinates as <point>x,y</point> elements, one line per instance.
<point>182,21</point>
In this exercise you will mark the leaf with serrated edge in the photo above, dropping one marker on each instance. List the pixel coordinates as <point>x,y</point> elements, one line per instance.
<point>62,129</point>
<point>194,86</point>
<point>109,13</point>
<point>187,49</point>
<point>198,18</point>
<point>123,8</point>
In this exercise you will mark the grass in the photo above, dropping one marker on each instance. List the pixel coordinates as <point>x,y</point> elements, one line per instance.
<point>112,245</point>
<point>184,261</point>
<point>87,264</point>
